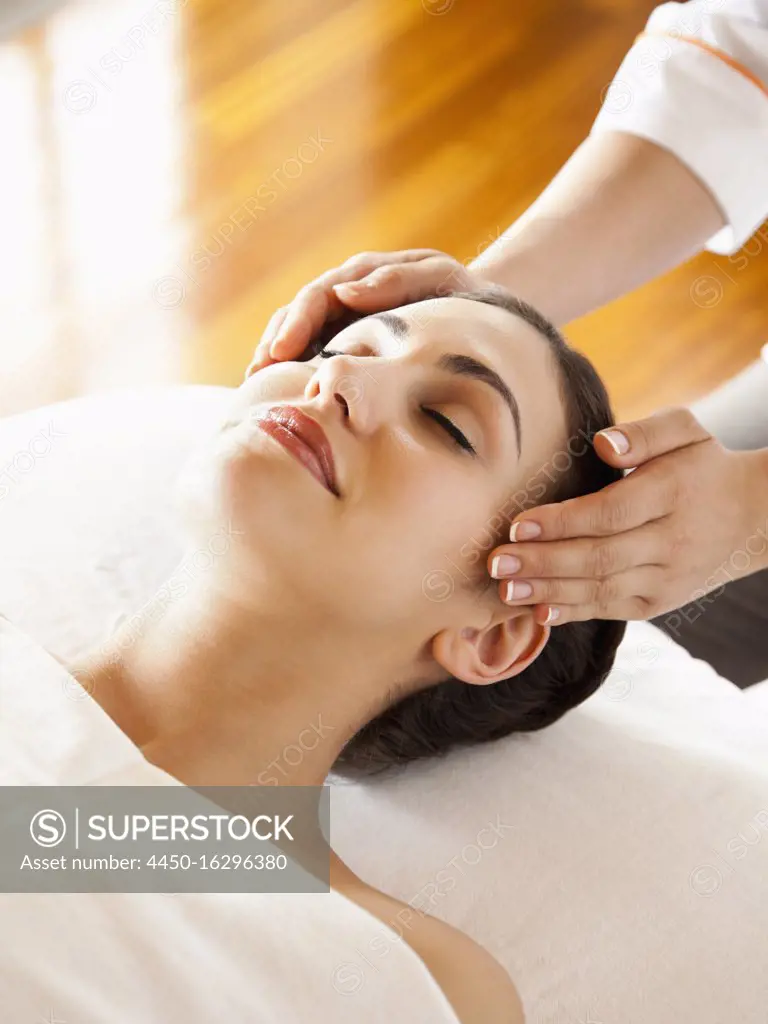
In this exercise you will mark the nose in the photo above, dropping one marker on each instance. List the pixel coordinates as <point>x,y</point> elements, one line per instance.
<point>360,387</point>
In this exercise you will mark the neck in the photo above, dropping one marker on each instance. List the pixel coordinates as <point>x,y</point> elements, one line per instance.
<point>216,692</point>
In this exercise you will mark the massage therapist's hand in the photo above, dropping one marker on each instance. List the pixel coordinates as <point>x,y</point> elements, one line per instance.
<point>667,533</point>
<point>367,283</point>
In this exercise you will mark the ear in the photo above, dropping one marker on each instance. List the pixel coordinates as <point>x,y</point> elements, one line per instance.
<point>503,648</point>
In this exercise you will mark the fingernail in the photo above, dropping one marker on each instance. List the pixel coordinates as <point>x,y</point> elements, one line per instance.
<point>524,530</point>
<point>505,565</point>
<point>517,589</point>
<point>552,615</point>
<point>350,286</point>
<point>618,441</point>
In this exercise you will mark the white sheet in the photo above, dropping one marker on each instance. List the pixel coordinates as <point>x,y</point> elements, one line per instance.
<point>188,958</point>
<point>617,863</point>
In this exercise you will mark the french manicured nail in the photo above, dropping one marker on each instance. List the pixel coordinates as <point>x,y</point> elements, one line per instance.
<point>552,615</point>
<point>618,441</point>
<point>517,589</point>
<point>505,565</point>
<point>524,530</point>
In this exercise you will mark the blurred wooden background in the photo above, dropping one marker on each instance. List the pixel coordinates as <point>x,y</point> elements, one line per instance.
<point>173,171</point>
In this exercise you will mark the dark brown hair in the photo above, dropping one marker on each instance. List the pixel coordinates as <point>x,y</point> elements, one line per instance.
<point>577,656</point>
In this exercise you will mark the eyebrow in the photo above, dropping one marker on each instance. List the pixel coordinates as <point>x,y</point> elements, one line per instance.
<point>462,366</point>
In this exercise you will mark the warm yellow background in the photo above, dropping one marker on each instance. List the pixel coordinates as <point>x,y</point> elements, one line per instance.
<point>171,172</point>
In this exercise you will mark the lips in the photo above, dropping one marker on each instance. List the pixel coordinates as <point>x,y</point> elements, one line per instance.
<point>305,439</point>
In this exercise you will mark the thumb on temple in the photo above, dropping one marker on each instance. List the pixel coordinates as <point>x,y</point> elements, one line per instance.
<point>627,445</point>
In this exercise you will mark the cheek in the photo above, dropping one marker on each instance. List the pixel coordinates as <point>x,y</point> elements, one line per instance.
<point>223,480</point>
<point>273,384</point>
<point>419,528</point>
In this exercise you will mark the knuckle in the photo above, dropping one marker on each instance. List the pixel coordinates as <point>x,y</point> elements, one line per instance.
<point>614,516</point>
<point>671,487</point>
<point>575,613</point>
<point>547,592</point>
<point>419,255</point>
<point>606,592</point>
<point>361,261</point>
<point>645,607</point>
<point>642,435</point>
<point>453,276</point>
<point>306,294</point>
<point>390,275</point>
<point>673,546</point>
<point>690,424</point>
<point>686,418</point>
<point>535,562</point>
<point>448,263</point>
<point>597,521</point>
<point>558,519</point>
<point>603,558</point>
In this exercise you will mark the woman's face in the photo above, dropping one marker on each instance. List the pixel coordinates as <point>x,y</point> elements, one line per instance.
<point>433,415</point>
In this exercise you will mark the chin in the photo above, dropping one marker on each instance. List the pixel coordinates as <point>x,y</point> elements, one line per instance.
<point>247,489</point>
<point>212,481</point>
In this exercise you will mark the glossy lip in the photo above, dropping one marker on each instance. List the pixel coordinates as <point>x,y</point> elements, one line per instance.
<point>305,439</point>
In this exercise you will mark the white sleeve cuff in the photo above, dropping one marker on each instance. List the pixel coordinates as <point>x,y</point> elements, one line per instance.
<point>710,115</point>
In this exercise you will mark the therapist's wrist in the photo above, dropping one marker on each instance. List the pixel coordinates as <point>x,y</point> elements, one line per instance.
<point>520,267</point>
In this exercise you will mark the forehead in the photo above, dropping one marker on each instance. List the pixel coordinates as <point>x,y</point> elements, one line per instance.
<point>478,324</point>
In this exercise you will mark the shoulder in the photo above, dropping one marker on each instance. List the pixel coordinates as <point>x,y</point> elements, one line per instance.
<point>474,983</point>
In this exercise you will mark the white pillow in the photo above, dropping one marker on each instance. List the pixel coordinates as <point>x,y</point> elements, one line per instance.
<point>616,863</point>
<point>87,528</point>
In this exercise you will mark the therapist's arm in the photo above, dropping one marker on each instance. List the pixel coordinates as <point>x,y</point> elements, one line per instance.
<point>620,212</point>
<point>675,162</point>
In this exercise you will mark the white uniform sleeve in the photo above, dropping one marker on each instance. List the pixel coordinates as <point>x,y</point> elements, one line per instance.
<point>709,109</point>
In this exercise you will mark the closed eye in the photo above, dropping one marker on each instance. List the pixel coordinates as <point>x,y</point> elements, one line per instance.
<point>448,425</point>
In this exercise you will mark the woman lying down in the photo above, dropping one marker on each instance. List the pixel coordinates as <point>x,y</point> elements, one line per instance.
<point>362,490</point>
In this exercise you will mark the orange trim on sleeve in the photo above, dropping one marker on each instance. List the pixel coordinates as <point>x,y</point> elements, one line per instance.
<point>714,52</point>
